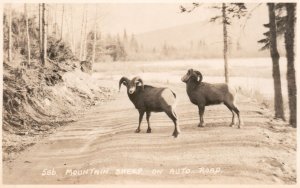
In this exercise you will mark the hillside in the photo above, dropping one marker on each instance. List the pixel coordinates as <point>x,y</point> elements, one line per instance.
<point>207,37</point>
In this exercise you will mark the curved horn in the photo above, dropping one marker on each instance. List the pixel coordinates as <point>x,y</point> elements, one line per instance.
<point>138,79</point>
<point>199,76</point>
<point>123,79</point>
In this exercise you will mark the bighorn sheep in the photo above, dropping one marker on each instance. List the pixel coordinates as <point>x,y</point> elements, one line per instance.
<point>204,94</point>
<point>150,99</point>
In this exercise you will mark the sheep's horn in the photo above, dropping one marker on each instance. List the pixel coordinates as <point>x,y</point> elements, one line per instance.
<point>122,80</point>
<point>200,75</point>
<point>138,79</point>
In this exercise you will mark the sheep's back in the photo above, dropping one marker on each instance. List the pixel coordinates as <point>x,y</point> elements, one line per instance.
<point>214,93</point>
<point>157,99</point>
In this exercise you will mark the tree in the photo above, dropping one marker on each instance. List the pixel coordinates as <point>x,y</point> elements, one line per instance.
<point>134,46</point>
<point>289,37</point>
<point>44,35</point>
<point>279,112</point>
<point>125,38</point>
<point>95,37</point>
<point>27,33</point>
<point>85,36</point>
<point>225,38</point>
<point>40,29</point>
<point>55,21</point>
<point>9,34</point>
<point>229,11</point>
<point>81,35</point>
<point>72,31</point>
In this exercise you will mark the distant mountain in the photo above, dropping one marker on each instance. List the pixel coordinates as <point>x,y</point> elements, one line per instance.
<point>209,36</point>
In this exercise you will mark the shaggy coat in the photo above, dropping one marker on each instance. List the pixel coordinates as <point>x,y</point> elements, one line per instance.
<point>149,99</point>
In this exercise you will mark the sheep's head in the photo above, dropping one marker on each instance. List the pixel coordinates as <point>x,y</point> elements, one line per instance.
<point>131,84</point>
<point>192,75</point>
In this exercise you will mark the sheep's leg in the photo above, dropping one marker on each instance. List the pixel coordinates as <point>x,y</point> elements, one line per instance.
<point>172,115</point>
<point>176,129</point>
<point>148,117</point>
<point>201,113</point>
<point>233,115</point>
<point>233,119</point>
<point>236,110</point>
<point>140,121</point>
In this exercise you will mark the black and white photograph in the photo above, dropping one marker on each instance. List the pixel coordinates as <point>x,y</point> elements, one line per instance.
<point>155,93</point>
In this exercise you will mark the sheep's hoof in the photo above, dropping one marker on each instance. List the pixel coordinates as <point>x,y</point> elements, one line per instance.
<point>148,130</point>
<point>240,124</point>
<point>175,134</point>
<point>201,125</point>
<point>231,125</point>
<point>137,130</point>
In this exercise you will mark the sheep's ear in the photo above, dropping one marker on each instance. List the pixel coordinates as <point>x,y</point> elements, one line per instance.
<point>199,76</point>
<point>138,83</point>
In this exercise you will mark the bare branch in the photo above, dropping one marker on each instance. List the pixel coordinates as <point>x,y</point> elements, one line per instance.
<point>194,6</point>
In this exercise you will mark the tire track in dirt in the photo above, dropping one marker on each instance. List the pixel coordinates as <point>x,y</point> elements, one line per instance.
<point>105,138</point>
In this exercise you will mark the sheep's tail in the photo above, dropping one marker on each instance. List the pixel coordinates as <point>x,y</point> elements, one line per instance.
<point>238,89</point>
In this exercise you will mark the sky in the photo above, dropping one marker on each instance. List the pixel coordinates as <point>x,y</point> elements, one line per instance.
<point>134,17</point>
<point>139,18</point>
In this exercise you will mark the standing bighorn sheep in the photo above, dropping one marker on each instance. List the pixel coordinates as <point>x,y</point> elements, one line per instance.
<point>204,94</point>
<point>150,99</point>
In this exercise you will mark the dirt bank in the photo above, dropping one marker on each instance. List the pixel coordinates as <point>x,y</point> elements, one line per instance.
<point>38,99</point>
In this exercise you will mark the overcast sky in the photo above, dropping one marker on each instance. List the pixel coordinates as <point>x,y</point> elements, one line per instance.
<point>140,18</point>
<point>134,17</point>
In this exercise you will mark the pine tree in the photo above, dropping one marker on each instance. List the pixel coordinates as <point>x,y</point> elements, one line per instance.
<point>290,54</point>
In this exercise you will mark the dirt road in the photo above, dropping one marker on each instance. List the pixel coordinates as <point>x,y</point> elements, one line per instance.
<point>102,148</point>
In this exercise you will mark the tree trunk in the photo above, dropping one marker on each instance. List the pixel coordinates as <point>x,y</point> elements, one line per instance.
<point>72,32</point>
<point>95,39</point>
<point>81,36</point>
<point>44,35</point>
<point>62,22</point>
<point>278,102</point>
<point>85,37</point>
<point>48,18</point>
<point>225,40</point>
<point>289,37</point>
<point>40,30</point>
<point>27,33</point>
<point>55,21</point>
<point>9,35</point>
